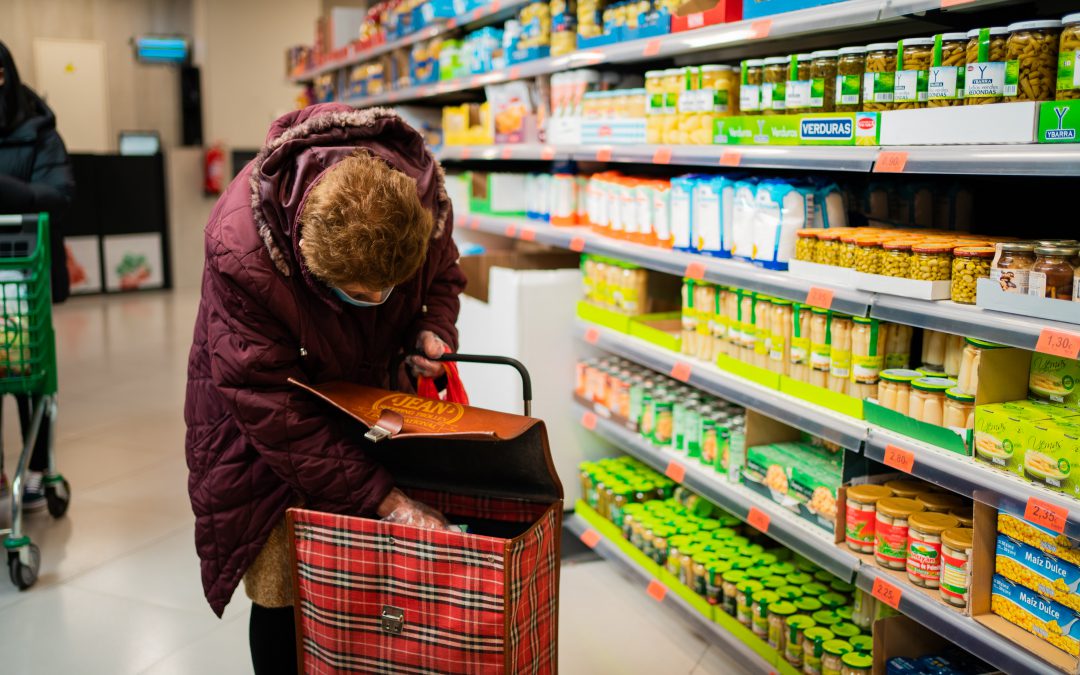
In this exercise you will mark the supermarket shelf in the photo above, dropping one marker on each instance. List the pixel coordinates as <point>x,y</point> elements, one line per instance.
<point>492,13</point>
<point>730,272</point>
<point>515,151</point>
<point>964,631</point>
<point>785,527</point>
<point>835,19</point>
<point>967,476</point>
<point>1000,160</point>
<point>712,632</point>
<point>846,431</point>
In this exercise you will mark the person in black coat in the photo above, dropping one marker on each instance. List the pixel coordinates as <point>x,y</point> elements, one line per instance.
<point>35,176</point>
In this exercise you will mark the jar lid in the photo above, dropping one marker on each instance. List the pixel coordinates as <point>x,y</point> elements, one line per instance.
<point>673,71</point>
<point>808,604</point>
<point>917,42</point>
<point>753,63</point>
<point>868,494</point>
<point>957,395</point>
<point>899,375</point>
<point>815,589</point>
<point>844,51</point>
<point>841,586</point>
<point>996,30</point>
<point>825,617</point>
<point>818,310</point>
<point>774,582</point>
<point>864,320</point>
<point>712,68</point>
<point>898,507</point>
<point>1018,246</point>
<point>898,245</point>
<point>1066,251</point>
<point>780,302</point>
<point>804,57</point>
<point>946,37</point>
<point>766,597</point>
<point>868,241</point>
<point>824,576</point>
<point>959,538</point>
<point>1058,242</point>
<point>881,47</point>
<point>846,630</point>
<point>857,660</point>
<point>818,633</point>
<point>1034,25</point>
<point>654,73</point>
<point>862,643</point>
<point>837,647</point>
<point>790,592</point>
<point>799,579</point>
<point>831,234</point>
<point>734,576</point>
<point>825,54</point>
<point>747,586</point>
<point>934,384</point>
<point>940,501</point>
<point>832,600</point>
<point>931,522</point>
<point>983,344</point>
<point>932,248</point>
<point>907,488</point>
<point>758,573</point>
<point>974,252</point>
<point>782,568</point>
<point>932,371</point>
<point>808,233</point>
<point>801,622</point>
<point>777,60</point>
<point>1070,19</point>
<point>965,516</point>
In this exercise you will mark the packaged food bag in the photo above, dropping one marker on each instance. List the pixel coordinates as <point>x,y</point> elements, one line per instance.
<point>781,209</point>
<point>830,207</point>
<point>706,233</point>
<point>742,219</point>
<point>681,211</point>
<point>725,187</point>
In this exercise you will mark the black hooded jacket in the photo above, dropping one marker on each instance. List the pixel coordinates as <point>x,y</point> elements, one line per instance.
<point>35,174</point>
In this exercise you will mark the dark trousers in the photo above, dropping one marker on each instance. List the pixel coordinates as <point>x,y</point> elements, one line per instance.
<point>272,636</point>
<point>39,458</point>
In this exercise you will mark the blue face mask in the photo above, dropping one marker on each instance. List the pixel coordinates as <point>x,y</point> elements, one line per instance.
<point>350,300</point>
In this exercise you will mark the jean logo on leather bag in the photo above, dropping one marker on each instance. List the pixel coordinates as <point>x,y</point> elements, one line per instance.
<point>420,412</point>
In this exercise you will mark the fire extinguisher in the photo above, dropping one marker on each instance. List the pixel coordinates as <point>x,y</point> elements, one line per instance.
<point>214,170</point>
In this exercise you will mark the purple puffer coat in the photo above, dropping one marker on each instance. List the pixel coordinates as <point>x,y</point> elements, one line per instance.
<point>254,442</point>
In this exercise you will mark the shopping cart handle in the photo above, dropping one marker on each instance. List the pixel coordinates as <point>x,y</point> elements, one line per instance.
<point>526,381</point>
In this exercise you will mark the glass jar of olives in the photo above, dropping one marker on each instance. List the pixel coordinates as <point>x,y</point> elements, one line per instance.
<point>895,258</point>
<point>931,262</point>
<point>970,263</point>
<point>823,70</point>
<point>750,86</point>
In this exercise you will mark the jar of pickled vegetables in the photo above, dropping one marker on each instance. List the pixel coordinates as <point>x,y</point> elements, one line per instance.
<point>927,401</point>
<point>868,339</point>
<point>1033,47</point>
<point>724,84</point>
<point>778,614</point>
<point>823,70</point>
<point>780,332</point>
<point>898,351</point>
<point>867,254</point>
<point>820,347</point>
<point>911,86</point>
<point>774,86</point>
<point>799,354</point>
<point>797,88</point>
<point>894,388</point>
<point>895,258</point>
<point>759,612</point>
<point>931,262</point>
<point>967,381</point>
<point>814,639</point>
<point>970,263</point>
<point>847,249</point>
<point>879,78</point>
<point>750,81</point>
<point>805,241</point>
<point>793,646</point>
<point>840,328</point>
<point>891,531</point>
<point>1068,75</point>
<point>959,410</point>
<point>1052,273</point>
<point>850,67</point>
<point>832,659</point>
<point>828,248</point>
<point>985,70</point>
<point>947,71</point>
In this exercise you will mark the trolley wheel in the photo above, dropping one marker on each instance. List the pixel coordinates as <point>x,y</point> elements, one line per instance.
<point>23,575</point>
<point>58,497</point>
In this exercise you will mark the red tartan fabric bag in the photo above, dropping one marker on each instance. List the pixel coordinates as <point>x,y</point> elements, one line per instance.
<point>377,597</point>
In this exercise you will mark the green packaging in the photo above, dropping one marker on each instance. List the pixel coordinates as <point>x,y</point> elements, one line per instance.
<point>1048,454</point>
<point>1054,378</point>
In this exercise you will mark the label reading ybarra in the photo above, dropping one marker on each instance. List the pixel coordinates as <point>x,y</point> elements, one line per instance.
<point>946,83</point>
<point>847,89</point>
<point>826,128</point>
<point>985,80</point>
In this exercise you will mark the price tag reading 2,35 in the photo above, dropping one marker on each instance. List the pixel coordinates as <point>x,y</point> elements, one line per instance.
<point>887,592</point>
<point>1045,514</point>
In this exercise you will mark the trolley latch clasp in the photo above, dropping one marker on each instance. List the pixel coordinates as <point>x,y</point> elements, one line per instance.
<point>393,619</point>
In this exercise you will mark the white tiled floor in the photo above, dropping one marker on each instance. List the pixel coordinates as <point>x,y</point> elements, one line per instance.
<point>119,590</point>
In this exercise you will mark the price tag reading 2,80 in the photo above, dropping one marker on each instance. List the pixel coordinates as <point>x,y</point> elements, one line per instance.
<point>1047,515</point>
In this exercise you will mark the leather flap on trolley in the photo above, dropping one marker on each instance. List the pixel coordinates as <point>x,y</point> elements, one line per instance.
<point>433,444</point>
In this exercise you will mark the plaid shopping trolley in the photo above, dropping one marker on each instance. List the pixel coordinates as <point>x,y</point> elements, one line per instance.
<point>378,597</point>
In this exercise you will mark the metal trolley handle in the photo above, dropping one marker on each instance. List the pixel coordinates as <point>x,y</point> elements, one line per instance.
<point>526,381</point>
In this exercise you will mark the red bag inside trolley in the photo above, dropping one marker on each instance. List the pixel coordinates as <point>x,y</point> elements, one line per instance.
<point>379,597</point>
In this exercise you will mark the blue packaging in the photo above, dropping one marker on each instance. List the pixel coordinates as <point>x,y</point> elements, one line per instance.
<point>753,9</point>
<point>742,219</point>
<point>681,211</point>
<point>706,233</point>
<point>781,208</point>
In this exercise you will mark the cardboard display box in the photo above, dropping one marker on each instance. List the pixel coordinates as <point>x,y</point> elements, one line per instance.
<point>909,288</point>
<point>477,267</point>
<point>1058,121</point>
<point>809,129</point>
<point>841,277</point>
<point>990,296</point>
<point>1002,123</point>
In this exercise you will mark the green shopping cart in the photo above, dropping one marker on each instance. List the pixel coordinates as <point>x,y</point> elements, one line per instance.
<point>28,367</point>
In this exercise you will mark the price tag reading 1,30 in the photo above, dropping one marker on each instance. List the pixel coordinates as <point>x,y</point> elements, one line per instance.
<point>899,458</point>
<point>1058,343</point>
<point>675,471</point>
<point>887,592</point>
<point>758,519</point>
<point>1047,515</point>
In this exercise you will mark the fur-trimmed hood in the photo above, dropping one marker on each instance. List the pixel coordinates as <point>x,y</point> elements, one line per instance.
<point>302,144</point>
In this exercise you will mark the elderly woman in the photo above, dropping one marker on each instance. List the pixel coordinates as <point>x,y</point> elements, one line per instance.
<point>328,258</point>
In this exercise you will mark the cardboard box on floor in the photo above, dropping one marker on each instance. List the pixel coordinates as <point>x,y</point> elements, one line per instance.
<point>522,257</point>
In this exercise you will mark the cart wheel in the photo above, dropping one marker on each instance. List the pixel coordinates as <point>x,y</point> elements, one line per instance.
<point>23,575</point>
<point>58,496</point>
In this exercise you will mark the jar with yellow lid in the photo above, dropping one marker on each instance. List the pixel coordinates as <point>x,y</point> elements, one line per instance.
<point>759,612</point>
<point>814,639</point>
<point>832,658</point>
<point>965,514</point>
<point>840,328</point>
<point>868,339</point>
<point>1068,75</point>
<point>823,69</point>
<point>970,263</point>
<point>805,241</point>
<point>955,582</point>
<point>894,388</point>
<point>891,531</point>
<point>797,87</point>
<point>1032,51</point>
<point>909,489</point>
<point>743,599</point>
<point>895,258</point>
<point>820,347</point>
<point>860,511</point>
<point>940,502</point>
<point>799,352</point>
<point>793,643</point>
<point>750,84</point>
<point>911,86</point>
<point>780,318</point>
<point>924,547</point>
<point>774,86</point>
<point>867,254</point>
<point>959,410</point>
<point>931,262</point>
<point>778,614</point>
<point>848,248</point>
<point>856,663</point>
<point>985,75</point>
<point>850,68</point>
<point>947,71</point>
<point>927,402</point>
<point>879,78</point>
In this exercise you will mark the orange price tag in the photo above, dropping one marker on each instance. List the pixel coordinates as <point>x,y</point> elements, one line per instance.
<point>758,519</point>
<point>662,156</point>
<point>548,153</point>
<point>459,220</point>
<point>507,153</point>
<point>656,590</point>
<point>452,23</point>
<point>603,155</point>
<point>681,371</point>
<point>945,4</point>
<point>478,14</point>
<point>887,592</point>
<point>652,48</point>
<point>730,158</point>
<point>1058,343</point>
<point>510,231</point>
<point>592,336</point>
<point>890,161</point>
<point>588,420</point>
<point>675,471</point>
<point>466,153</point>
<point>1047,515</point>
<point>528,234</point>
<point>577,244</point>
<point>515,73</point>
<point>590,538</point>
<point>695,271</point>
<point>474,224</point>
<point>820,297</point>
<point>760,29</point>
<point>495,6</point>
<point>899,458</point>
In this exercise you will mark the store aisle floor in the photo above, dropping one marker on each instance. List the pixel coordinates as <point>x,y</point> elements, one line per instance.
<point>119,589</point>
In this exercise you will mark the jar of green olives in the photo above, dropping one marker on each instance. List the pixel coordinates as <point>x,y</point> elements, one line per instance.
<point>827,249</point>
<point>895,258</point>
<point>970,263</point>
<point>849,75</point>
<point>846,256</point>
<point>823,80</point>
<point>867,254</point>
<point>805,242</point>
<point>931,262</point>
